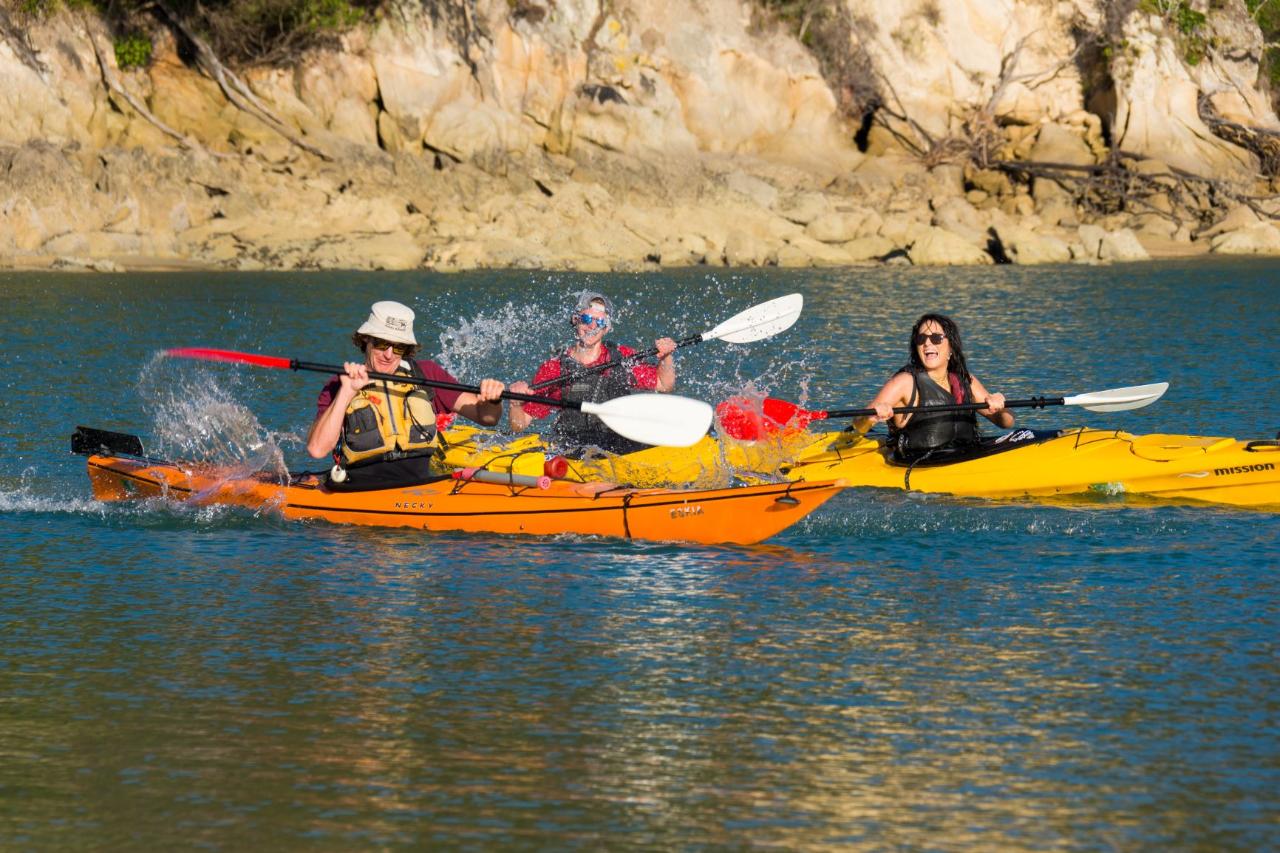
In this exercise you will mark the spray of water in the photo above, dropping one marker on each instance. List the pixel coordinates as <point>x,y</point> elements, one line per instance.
<point>505,342</point>
<point>196,417</point>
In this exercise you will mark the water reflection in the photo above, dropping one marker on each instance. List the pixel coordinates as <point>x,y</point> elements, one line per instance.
<point>897,671</point>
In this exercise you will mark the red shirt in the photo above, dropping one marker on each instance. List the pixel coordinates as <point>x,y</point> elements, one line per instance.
<point>442,399</point>
<point>646,376</point>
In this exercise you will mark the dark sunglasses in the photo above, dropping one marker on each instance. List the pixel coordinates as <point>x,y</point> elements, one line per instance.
<point>935,338</point>
<point>398,349</point>
<point>598,322</point>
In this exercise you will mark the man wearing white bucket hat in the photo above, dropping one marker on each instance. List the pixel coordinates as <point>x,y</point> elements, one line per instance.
<point>384,432</point>
<point>578,374</point>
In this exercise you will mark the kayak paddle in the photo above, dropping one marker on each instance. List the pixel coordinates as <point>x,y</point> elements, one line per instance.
<point>755,324</point>
<point>746,419</point>
<point>658,419</point>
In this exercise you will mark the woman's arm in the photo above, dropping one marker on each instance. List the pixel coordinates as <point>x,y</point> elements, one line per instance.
<point>995,410</point>
<point>893,393</point>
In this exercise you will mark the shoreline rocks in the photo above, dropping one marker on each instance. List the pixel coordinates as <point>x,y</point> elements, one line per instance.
<point>714,142</point>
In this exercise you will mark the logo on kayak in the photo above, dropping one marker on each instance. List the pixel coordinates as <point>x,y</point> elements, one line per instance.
<point>1244,469</point>
<point>686,511</point>
<point>412,505</point>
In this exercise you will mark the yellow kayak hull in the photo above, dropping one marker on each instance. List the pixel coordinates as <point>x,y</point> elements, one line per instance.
<point>707,464</point>
<point>1080,461</point>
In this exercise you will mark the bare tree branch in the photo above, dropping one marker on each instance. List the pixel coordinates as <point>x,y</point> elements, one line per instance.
<point>116,88</point>
<point>233,87</point>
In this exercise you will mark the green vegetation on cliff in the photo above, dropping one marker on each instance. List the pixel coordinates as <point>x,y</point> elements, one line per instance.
<point>1267,14</point>
<point>239,31</point>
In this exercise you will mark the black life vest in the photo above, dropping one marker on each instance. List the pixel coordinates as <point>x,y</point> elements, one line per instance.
<point>927,433</point>
<point>575,430</point>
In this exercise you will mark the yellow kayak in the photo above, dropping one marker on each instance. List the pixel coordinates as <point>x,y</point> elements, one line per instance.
<point>1078,461</point>
<point>707,464</point>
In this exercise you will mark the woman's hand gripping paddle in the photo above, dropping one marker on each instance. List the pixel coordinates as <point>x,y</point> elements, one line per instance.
<point>746,419</point>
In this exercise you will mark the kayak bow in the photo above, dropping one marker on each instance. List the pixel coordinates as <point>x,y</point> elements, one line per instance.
<point>1077,462</point>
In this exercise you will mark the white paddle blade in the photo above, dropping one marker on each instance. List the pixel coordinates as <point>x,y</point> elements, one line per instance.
<point>1119,399</point>
<point>759,321</point>
<point>659,419</point>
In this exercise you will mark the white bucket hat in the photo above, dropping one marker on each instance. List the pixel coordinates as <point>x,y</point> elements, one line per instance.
<point>390,321</point>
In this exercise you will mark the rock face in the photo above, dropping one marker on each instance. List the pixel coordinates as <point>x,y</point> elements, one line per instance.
<point>628,135</point>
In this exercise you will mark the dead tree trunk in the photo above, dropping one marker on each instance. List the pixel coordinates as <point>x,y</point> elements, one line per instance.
<point>233,87</point>
<point>115,89</point>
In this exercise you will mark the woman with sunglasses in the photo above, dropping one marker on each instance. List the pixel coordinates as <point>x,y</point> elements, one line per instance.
<point>385,432</point>
<point>591,317</point>
<point>936,375</point>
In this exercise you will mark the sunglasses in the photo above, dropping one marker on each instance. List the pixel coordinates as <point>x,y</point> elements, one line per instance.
<point>935,338</point>
<point>598,322</point>
<point>398,349</point>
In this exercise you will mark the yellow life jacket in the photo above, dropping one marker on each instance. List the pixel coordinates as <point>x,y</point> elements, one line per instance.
<point>388,420</point>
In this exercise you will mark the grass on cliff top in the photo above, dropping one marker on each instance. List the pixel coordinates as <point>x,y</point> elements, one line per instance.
<point>239,31</point>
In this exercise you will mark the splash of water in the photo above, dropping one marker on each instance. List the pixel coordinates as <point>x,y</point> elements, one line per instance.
<point>474,346</point>
<point>197,418</point>
<point>156,510</point>
<point>23,500</point>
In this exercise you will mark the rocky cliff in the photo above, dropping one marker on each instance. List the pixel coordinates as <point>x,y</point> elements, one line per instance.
<point>624,134</point>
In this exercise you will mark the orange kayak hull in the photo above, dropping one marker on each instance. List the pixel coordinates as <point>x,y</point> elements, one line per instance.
<point>743,515</point>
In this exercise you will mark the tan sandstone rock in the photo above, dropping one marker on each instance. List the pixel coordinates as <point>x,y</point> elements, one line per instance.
<point>1262,238</point>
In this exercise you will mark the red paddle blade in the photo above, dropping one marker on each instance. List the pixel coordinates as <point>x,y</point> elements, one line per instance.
<point>229,355</point>
<point>749,419</point>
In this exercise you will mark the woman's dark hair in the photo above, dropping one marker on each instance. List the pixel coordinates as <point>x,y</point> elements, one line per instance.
<point>956,364</point>
<point>361,341</point>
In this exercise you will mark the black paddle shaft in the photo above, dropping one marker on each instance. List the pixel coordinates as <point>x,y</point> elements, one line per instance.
<point>629,360</point>
<point>294,364</point>
<point>1029,403</point>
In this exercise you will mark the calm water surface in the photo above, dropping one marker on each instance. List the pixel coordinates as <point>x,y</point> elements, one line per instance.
<point>898,671</point>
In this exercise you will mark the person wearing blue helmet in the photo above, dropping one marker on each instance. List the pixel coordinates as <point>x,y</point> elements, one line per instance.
<point>579,374</point>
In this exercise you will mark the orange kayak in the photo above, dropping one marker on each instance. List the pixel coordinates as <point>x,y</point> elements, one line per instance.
<point>742,515</point>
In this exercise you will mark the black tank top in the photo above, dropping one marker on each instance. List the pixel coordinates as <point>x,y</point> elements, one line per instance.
<point>928,433</point>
